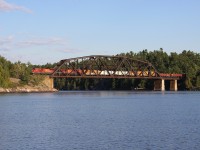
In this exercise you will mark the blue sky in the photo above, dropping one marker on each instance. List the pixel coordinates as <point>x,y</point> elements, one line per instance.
<point>41,31</point>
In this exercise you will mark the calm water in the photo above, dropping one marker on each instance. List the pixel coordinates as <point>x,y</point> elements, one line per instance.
<point>100,120</point>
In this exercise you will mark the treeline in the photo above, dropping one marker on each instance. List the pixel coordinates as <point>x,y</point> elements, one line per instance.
<point>17,70</point>
<point>187,62</point>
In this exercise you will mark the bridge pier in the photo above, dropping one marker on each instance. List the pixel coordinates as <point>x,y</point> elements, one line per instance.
<point>173,85</point>
<point>159,85</point>
<point>48,81</point>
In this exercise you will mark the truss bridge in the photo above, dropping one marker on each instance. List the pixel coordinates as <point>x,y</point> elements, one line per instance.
<point>102,66</point>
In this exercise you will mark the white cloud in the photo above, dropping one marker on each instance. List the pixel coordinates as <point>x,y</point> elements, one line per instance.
<point>70,50</point>
<point>6,40</point>
<point>10,41</point>
<point>41,42</point>
<point>13,45</point>
<point>4,49</point>
<point>46,49</point>
<point>6,43</point>
<point>5,6</point>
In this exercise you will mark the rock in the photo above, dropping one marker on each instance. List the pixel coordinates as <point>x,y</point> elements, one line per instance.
<point>44,86</point>
<point>27,90</point>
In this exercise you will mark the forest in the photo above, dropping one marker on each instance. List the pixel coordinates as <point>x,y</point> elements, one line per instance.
<point>187,62</point>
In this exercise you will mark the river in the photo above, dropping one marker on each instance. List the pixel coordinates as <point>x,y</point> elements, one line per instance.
<point>100,120</point>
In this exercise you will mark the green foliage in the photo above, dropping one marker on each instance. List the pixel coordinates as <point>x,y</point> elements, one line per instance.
<point>35,79</point>
<point>16,70</point>
<point>4,72</point>
<point>186,62</point>
<point>21,71</point>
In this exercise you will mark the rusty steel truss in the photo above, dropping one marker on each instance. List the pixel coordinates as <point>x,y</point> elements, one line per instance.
<point>102,66</point>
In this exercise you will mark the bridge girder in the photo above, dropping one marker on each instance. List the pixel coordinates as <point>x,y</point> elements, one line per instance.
<point>103,66</point>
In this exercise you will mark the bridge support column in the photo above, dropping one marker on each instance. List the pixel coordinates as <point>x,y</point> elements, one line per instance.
<point>159,85</point>
<point>173,85</point>
<point>49,82</point>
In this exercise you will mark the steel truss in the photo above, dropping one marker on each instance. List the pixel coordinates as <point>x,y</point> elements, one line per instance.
<point>102,66</point>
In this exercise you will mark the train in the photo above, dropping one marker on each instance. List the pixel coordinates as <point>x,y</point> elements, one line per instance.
<point>91,72</point>
<point>42,71</point>
<point>172,75</point>
<point>76,72</point>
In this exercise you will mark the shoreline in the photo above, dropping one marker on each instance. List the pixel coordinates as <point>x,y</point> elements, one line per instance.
<point>27,90</point>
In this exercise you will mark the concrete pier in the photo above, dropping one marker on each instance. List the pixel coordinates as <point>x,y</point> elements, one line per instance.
<point>49,82</point>
<point>159,85</point>
<point>173,85</point>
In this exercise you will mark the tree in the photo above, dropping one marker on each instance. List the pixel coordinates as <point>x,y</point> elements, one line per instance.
<point>4,72</point>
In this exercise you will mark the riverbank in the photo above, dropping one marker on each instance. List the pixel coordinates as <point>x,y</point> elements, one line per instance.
<point>18,88</point>
<point>27,89</point>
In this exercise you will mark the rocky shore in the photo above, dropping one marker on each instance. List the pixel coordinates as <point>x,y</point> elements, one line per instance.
<point>18,88</point>
<point>27,89</point>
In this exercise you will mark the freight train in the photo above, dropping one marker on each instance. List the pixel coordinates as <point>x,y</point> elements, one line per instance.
<point>104,73</point>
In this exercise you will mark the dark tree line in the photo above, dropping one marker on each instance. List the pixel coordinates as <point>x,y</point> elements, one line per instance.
<point>187,62</point>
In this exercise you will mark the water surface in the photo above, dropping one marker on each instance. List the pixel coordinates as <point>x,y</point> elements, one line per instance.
<point>105,120</point>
